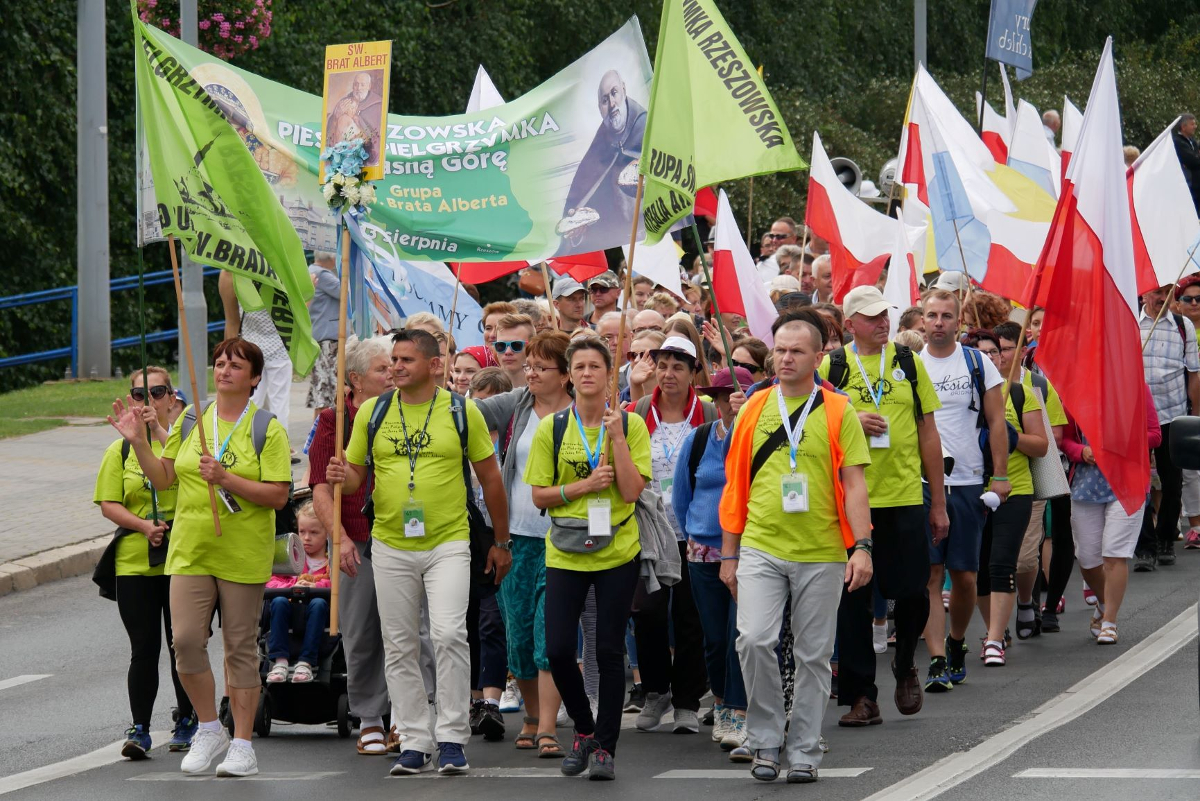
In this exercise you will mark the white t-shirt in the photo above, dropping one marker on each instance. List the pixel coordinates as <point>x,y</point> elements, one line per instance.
<point>664,453</point>
<point>525,519</point>
<point>956,420</point>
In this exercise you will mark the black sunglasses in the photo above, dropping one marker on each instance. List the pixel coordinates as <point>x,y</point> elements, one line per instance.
<point>139,393</point>
<point>751,366</point>
<point>502,346</point>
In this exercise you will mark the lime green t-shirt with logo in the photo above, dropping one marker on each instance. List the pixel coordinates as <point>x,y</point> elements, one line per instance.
<point>438,476</point>
<point>1054,406</point>
<point>815,535</point>
<point>245,550</point>
<point>573,466</point>
<point>1019,475</point>
<point>126,484</point>
<point>894,474</point>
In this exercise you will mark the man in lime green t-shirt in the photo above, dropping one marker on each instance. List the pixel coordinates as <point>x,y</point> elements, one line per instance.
<point>879,378</point>
<point>786,529</point>
<point>421,542</point>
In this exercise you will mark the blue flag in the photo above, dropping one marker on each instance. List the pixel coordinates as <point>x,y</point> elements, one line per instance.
<point>1009,40</point>
<point>391,289</point>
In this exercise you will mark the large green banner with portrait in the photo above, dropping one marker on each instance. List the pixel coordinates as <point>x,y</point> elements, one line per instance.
<point>552,172</point>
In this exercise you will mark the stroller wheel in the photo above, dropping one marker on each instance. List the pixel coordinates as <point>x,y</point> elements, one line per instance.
<point>262,716</point>
<point>344,724</point>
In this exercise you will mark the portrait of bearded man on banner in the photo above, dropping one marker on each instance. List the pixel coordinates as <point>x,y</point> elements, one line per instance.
<point>358,114</point>
<point>600,202</point>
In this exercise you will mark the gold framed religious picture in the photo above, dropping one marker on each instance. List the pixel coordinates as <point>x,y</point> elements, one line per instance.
<point>357,78</point>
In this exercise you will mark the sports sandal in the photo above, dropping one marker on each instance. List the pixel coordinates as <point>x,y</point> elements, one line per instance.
<point>525,740</point>
<point>1026,628</point>
<point>278,674</point>
<point>372,742</point>
<point>302,674</point>
<point>1108,633</point>
<point>548,746</point>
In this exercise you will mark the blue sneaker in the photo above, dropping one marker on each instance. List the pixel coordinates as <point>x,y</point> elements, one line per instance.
<point>956,661</point>
<point>137,743</point>
<point>576,761</point>
<point>938,680</point>
<point>452,758</point>
<point>185,729</point>
<point>411,762</point>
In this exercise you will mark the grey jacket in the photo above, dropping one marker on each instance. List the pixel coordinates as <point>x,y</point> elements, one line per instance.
<point>661,565</point>
<point>498,410</point>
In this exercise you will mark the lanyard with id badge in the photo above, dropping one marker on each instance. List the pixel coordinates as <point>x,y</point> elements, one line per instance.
<point>413,510</point>
<point>666,485</point>
<point>599,510</point>
<point>225,495</point>
<point>883,440</point>
<point>794,487</point>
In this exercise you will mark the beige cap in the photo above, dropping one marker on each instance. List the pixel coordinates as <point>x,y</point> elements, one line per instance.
<point>952,282</point>
<point>865,300</point>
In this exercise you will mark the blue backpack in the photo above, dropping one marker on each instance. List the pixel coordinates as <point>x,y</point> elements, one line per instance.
<point>1017,393</point>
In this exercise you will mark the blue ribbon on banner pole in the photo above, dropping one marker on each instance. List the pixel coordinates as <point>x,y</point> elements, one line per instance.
<point>1009,39</point>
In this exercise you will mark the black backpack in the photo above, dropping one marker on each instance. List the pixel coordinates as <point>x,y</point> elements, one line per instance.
<point>839,372</point>
<point>482,536</point>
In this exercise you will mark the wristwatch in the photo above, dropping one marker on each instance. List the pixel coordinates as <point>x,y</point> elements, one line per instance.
<point>865,544</point>
<point>504,546</point>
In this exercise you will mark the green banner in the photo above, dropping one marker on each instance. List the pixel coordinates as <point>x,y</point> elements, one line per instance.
<point>211,194</point>
<point>552,172</point>
<point>711,116</point>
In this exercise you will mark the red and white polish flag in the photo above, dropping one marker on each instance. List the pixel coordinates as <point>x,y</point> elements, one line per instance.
<point>1086,280</point>
<point>736,283</point>
<point>1164,219</point>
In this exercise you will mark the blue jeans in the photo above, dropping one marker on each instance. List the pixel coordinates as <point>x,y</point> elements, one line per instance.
<point>311,617</point>
<point>718,618</point>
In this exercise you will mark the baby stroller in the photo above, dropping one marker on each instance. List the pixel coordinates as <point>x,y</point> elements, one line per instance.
<point>324,699</point>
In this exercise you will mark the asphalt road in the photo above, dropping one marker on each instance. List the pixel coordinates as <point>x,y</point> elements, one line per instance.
<point>1149,723</point>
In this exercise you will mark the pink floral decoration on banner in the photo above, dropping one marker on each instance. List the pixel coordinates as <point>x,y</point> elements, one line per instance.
<point>228,28</point>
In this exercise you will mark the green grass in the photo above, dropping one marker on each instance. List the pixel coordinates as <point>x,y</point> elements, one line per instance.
<point>26,411</point>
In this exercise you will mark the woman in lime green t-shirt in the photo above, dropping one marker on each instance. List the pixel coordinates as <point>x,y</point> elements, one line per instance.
<point>250,480</point>
<point>143,518</point>
<point>594,492</point>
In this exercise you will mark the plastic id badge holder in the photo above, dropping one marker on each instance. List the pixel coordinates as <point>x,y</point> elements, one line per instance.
<point>414,518</point>
<point>599,517</point>
<point>794,491</point>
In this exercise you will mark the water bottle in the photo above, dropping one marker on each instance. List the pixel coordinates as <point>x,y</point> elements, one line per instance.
<point>312,432</point>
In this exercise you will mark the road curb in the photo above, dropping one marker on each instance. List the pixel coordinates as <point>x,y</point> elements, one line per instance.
<point>57,563</point>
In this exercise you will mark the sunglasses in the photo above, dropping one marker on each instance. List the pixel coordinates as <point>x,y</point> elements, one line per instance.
<point>778,236</point>
<point>1191,300</point>
<point>751,366</point>
<point>515,345</point>
<point>139,393</point>
<point>646,328</point>
<point>594,288</point>
<point>633,355</point>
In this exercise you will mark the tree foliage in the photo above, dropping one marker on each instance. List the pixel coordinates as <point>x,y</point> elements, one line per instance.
<point>841,67</point>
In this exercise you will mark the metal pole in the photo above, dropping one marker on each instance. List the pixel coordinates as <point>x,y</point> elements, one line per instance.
<point>94,334</point>
<point>194,301</point>
<point>919,28</point>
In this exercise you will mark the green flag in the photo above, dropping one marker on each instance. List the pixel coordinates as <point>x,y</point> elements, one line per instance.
<point>212,195</point>
<point>711,117</point>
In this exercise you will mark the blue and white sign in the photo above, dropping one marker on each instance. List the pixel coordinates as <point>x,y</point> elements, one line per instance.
<point>1009,40</point>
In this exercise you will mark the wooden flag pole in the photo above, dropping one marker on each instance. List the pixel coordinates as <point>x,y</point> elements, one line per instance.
<point>339,431</point>
<point>450,333</point>
<point>549,296</point>
<point>187,346</point>
<point>749,215</point>
<point>614,391</point>
<point>1170,295</point>
<point>712,294</point>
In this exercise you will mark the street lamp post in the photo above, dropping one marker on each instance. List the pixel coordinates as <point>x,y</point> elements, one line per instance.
<point>91,226</point>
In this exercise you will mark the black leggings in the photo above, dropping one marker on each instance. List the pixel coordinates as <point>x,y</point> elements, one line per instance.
<point>1002,535</point>
<point>1062,551</point>
<point>680,671</point>
<point>566,592</point>
<point>145,606</point>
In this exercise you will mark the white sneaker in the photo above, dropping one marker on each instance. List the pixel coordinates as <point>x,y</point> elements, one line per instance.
<point>736,736</point>
<point>240,761</point>
<point>563,718</point>
<point>206,746</point>
<point>686,722</point>
<point>722,718</point>
<point>656,708</point>
<point>879,638</point>
<point>510,700</point>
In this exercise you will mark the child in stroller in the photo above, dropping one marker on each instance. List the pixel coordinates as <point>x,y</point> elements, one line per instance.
<point>312,617</point>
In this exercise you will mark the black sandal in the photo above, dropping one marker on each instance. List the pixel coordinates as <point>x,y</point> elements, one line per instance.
<point>526,741</point>
<point>1027,628</point>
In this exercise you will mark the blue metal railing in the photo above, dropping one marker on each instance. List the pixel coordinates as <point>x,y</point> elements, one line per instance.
<point>72,293</point>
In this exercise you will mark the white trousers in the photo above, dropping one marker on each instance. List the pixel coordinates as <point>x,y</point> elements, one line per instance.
<point>403,579</point>
<point>764,582</point>
<point>274,390</point>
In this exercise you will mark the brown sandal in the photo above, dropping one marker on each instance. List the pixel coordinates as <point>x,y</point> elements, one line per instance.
<point>374,746</point>
<point>524,740</point>
<point>548,750</point>
<point>393,741</point>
